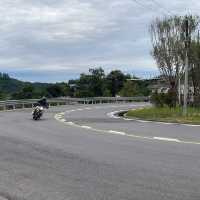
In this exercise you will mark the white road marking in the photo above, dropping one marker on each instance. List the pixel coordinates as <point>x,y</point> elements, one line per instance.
<point>192,125</point>
<point>141,121</point>
<point>167,139</point>
<point>113,115</point>
<point>70,123</point>
<point>86,127</point>
<point>117,132</point>
<point>60,117</point>
<point>127,119</point>
<point>62,113</point>
<point>87,108</point>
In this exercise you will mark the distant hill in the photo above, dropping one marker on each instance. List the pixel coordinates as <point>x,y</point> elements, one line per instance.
<point>9,86</point>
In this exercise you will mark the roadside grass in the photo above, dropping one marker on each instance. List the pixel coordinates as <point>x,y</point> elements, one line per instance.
<point>166,114</point>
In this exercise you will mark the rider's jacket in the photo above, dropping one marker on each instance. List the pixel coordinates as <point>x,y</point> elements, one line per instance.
<point>43,103</point>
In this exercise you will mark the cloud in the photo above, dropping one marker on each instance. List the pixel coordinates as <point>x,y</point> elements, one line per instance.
<point>72,35</point>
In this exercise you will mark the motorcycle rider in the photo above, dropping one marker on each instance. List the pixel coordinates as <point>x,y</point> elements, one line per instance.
<point>43,103</point>
<point>39,109</point>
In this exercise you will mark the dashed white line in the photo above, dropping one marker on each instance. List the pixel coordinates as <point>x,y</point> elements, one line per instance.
<point>167,139</point>
<point>86,127</point>
<point>117,132</point>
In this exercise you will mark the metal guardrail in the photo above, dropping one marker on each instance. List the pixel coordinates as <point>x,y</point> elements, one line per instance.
<point>30,103</point>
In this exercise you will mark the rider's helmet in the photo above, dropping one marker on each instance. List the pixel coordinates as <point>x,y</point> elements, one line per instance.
<point>44,98</point>
<point>44,102</point>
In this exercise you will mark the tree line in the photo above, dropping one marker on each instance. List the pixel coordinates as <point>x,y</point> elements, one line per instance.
<point>95,83</point>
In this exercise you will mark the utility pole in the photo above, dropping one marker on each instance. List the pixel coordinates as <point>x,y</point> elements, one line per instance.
<point>186,66</point>
<point>179,90</point>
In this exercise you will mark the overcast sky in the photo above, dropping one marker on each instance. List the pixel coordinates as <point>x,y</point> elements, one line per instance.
<point>55,40</point>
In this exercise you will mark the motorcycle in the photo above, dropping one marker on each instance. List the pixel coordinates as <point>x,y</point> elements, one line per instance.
<point>37,112</point>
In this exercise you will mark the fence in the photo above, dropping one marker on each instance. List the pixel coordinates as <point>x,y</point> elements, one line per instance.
<point>30,103</point>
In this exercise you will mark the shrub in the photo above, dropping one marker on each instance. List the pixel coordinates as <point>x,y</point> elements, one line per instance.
<point>158,99</point>
<point>164,99</point>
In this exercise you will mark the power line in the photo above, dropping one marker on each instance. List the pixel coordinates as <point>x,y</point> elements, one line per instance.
<point>161,6</point>
<point>142,5</point>
<point>150,7</point>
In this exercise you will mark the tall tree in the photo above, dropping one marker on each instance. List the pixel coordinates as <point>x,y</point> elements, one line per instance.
<point>168,40</point>
<point>97,81</point>
<point>115,81</point>
<point>194,58</point>
<point>91,84</point>
<point>83,86</point>
<point>129,89</point>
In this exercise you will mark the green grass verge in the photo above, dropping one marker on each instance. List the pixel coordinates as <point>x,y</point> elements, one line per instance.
<point>166,114</point>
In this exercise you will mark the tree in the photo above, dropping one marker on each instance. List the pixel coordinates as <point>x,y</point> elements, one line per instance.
<point>115,81</point>
<point>66,90</point>
<point>4,76</point>
<point>55,91</point>
<point>194,58</point>
<point>129,89</point>
<point>168,40</point>
<point>83,86</point>
<point>2,95</point>
<point>92,84</point>
<point>106,92</point>
<point>26,93</point>
<point>97,81</point>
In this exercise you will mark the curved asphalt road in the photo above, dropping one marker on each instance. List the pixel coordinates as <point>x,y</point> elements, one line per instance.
<point>84,154</point>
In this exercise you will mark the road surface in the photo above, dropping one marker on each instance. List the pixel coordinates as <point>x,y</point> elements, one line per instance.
<point>83,152</point>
